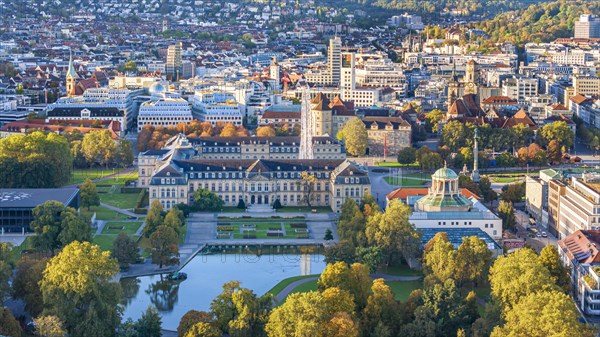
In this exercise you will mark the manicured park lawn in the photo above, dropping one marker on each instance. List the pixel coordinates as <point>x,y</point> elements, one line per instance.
<point>79,176</point>
<point>106,241</point>
<point>120,179</point>
<point>394,164</point>
<point>402,289</point>
<point>284,283</point>
<point>402,270</point>
<point>506,179</point>
<point>129,227</point>
<point>405,182</point>
<point>305,287</point>
<point>117,199</point>
<point>103,213</point>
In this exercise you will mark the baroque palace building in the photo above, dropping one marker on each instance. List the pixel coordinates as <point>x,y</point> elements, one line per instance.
<point>173,174</point>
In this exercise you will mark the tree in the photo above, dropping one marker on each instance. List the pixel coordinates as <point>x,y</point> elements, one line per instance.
<point>191,318</point>
<point>513,192</point>
<point>545,313</point>
<point>312,314</point>
<point>88,194</point>
<point>431,161</point>
<point>28,274</point>
<point>125,250</point>
<point>352,223</point>
<point>306,184</point>
<point>164,246</point>
<point>9,326</point>
<point>74,227</point>
<point>554,152</point>
<point>518,275</point>
<point>473,260</point>
<point>239,312</point>
<point>153,218</point>
<point>174,220</point>
<point>355,137</point>
<point>434,119</point>
<point>228,130</point>
<point>206,200</point>
<point>265,131</point>
<point>49,326</point>
<point>202,329</point>
<point>354,279</point>
<point>407,155</point>
<point>78,288</point>
<point>392,232</point>
<point>98,147</point>
<point>149,325</point>
<point>455,135</point>
<point>520,135</point>
<point>241,204</point>
<point>343,251</point>
<point>276,204</point>
<point>506,212</point>
<point>381,311</point>
<point>123,156</point>
<point>550,259</point>
<point>46,225</point>
<point>558,131</point>
<point>439,260</point>
<point>505,159</point>
<point>328,235</point>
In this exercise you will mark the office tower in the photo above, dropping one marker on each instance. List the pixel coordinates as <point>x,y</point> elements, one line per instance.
<point>174,62</point>
<point>588,27</point>
<point>335,59</point>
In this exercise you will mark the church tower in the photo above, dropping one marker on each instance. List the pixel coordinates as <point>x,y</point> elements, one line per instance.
<point>471,78</point>
<point>71,77</point>
<point>274,72</point>
<point>453,87</point>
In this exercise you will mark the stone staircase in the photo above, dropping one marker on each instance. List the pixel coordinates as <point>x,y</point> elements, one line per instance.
<point>260,208</point>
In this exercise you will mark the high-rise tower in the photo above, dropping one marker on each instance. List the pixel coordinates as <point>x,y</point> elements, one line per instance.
<point>335,59</point>
<point>174,62</point>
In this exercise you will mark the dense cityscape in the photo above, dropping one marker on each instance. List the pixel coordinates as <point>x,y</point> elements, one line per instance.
<point>329,168</point>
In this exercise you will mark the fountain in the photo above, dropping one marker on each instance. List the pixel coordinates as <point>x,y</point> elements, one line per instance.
<point>306,124</point>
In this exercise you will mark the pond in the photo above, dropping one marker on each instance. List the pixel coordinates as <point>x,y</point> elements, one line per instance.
<point>207,272</point>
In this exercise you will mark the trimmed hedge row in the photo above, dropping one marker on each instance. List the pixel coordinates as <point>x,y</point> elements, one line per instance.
<point>141,199</point>
<point>132,189</point>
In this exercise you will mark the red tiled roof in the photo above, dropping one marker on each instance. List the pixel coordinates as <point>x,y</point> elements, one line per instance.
<point>582,246</point>
<point>578,99</point>
<point>499,100</point>
<point>520,117</point>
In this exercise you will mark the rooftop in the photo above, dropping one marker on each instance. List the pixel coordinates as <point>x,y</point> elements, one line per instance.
<point>32,197</point>
<point>456,236</point>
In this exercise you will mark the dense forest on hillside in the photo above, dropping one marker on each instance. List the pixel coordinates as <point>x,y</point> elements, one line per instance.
<point>541,22</point>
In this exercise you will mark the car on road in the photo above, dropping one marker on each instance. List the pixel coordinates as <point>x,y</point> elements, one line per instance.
<point>539,235</point>
<point>544,235</point>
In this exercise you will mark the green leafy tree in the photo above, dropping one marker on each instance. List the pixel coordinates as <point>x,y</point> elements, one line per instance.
<point>78,288</point>
<point>352,223</point>
<point>276,204</point>
<point>125,250</point>
<point>354,279</point>
<point>49,326</point>
<point>431,161</point>
<point>328,235</point>
<point>241,204</point>
<point>544,313</point>
<point>473,260</point>
<point>434,118</point>
<point>46,225</point>
<point>191,318</point>
<point>265,131</point>
<point>149,325</point>
<point>206,200</point>
<point>123,155</point>
<point>74,227</point>
<point>392,232</point>
<point>407,155</point>
<point>306,184</point>
<point>154,218</point>
<point>506,212</point>
<point>88,194</point>
<point>355,137</point>
<point>9,326</point>
<point>28,275</point>
<point>455,135</point>
<point>174,220</point>
<point>551,260</point>
<point>518,275</point>
<point>558,131</point>
<point>381,312</point>
<point>164,246</point>
<point>554,152</point>
<point>513,192</point>
<point>439,260</point>
<point>372,257</point>
<point>202,329</point>
<point>99,148</point>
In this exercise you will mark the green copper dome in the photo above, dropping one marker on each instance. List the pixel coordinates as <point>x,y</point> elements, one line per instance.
<point>445,173</point>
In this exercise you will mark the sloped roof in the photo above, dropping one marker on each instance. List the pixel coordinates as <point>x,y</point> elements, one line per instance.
<point>582,246</point>
<point>321,102</point>
<point>521,117</point>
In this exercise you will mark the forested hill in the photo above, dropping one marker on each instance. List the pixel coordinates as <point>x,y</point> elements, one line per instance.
<point>541,22</point>
<point>487,8</point>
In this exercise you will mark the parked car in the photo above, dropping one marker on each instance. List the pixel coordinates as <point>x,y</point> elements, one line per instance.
<point>544,235</point>
<point>539,235</point>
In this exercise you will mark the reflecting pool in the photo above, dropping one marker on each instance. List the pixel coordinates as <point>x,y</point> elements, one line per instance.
<point>258,270</point>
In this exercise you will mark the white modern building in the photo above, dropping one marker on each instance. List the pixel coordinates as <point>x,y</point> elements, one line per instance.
<point>215,107</point>
<point>163,109</point>
<point>519,88</point>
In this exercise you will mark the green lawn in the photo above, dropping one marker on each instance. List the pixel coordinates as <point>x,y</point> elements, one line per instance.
<point>14,255</point>
<point>505,179</point>
<point>261,228</point>
<point>402,289</point>
<point>305,287</point>
<point>103,213</point>
<point>304,209</point>
<point>402,270</point>
<point>79,176</point>
<point>284,283</point>
<point>405,182</point>
<point>118,199</point>
<point>129,227</point>
<point>395,164</point>
<point>120,179</point>
<point>106,241</point>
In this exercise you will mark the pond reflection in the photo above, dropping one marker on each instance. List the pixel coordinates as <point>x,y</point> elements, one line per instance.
<point>256,269</point>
